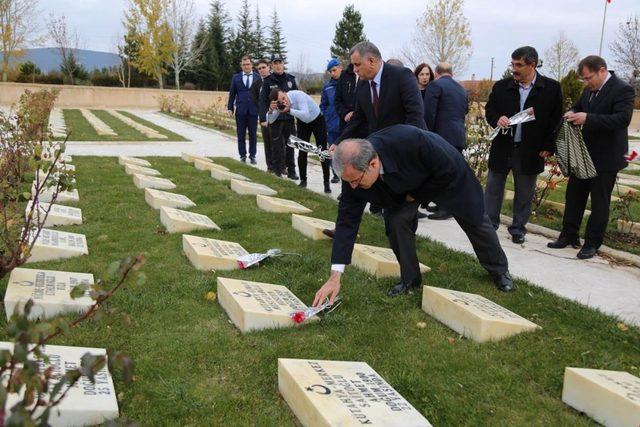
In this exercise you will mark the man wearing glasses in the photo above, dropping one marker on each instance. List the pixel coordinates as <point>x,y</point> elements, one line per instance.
<point>604,111</point>
<point>263,71</point>
<point>520,150</point>
<point>401,164</point>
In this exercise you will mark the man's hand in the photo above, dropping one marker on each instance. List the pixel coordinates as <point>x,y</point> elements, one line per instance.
<point>330,289</point>
<point>576,118</point>
<point>545,154</point>
<point>503,122</point>
<point>348,116</point>
<point>264,124</point>
<point>230,112</point>
<point>332,148</point>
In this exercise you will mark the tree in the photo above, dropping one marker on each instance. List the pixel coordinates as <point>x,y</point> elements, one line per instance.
<point>277,42</point>
<point>507,74</point>
<point>349,31</point>
<point>259,47</point>
<point>245,37</point>
<point>626,47</point>
<point>153,33</point>
<point>442,34</point>
<point>29,70</point>
<point>67,42</point>
<point>561,56</point>
<point>572,88</point>
<point>17,29</point>
<point>216,70</point>
<point>180,16</point>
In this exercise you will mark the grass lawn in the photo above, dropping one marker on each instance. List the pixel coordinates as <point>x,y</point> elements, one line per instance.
<point>193,367</point>
<point>81,130</point>
<point>229,130</point>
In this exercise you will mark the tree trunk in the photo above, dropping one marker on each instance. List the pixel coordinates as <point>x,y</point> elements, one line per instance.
<point>160,82</point>
<point>177,73</point>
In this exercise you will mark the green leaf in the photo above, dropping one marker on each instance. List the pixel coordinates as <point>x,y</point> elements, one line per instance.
<point>78,291</point>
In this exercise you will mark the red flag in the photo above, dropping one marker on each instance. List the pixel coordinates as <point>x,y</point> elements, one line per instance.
<point>608,1</point>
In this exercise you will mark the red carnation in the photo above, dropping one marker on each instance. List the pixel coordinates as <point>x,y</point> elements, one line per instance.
<point>298,317</point>
<point>632,156</point>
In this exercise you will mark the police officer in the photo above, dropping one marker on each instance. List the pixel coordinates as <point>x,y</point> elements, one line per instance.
<point>283,126</point>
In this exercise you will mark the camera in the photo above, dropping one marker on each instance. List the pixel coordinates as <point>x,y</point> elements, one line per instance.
<point>281,106</point>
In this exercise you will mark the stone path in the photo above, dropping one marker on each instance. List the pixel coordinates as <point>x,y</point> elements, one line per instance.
<point>145,130</point>
<point>597,283</point>
<point>98,125</point>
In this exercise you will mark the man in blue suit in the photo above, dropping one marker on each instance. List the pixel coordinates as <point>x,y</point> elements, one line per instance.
<point>445,106</point>
<point>246,110</point>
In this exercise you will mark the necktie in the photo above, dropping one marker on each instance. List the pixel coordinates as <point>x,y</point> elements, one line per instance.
<point>246,80</point>
<point>375,97</point>
<point>594,93</point>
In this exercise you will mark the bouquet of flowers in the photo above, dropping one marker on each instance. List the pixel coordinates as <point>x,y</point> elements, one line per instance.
<point>295,142</point>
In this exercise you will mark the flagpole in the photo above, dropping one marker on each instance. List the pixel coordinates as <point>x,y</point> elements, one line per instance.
<point>604,17</point>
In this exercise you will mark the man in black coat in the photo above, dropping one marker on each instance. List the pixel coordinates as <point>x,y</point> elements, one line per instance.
<point>404,163</point>
<point>604,111</point>
<point>522,149</point>
<point>264,71</point>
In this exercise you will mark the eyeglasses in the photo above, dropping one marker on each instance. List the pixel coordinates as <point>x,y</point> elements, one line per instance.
<point>517,65</point>
<point>356,182</point>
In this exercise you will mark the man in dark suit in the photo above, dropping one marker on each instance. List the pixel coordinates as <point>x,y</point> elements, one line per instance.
<point>604,111</point>
<point>446,105</point>
<point>522,149</point>
<point>404,163</point>
<point>246,110</point>
<point>264,71</point>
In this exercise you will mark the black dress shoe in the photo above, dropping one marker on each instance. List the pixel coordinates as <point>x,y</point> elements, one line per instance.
<point>328,232</point>
<point>243,159</point>
<point>293,176</point>
<point>504,283</point>
<point>422,215</point>
<point>587,252</point>
<point>403,288</point>
<point>327,188</point>
<point>518,239</point>
<point>253,161</point>
<point>303,183</point>
<point>335,180</point>
<point>440,215</point>
<point>563,242</point>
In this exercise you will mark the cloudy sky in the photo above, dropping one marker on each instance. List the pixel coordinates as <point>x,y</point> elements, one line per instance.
<point>497,26</point>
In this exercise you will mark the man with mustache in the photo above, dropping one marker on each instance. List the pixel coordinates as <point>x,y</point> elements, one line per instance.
<point>522,149</point>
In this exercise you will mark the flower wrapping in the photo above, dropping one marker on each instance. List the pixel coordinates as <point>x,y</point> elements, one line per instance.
<point>248,260</point>
<point>519,118</point>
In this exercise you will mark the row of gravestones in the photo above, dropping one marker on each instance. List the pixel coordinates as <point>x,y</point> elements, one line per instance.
<point>87,403</point>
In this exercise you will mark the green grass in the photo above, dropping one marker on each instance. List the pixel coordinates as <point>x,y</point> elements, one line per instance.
<point>171,135</point>
<point>194,368</point>
<point>81,129</point>
<point>231,130</point>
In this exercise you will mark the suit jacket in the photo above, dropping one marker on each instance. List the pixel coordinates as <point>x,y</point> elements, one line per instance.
<point>399,102</point>
<point>418,163</point>
<point>345,100</point>
<point>605,132</point>
<point>240,95</point>
<point>255,90</point>
<point>446,105</point>
<point>538,135</point>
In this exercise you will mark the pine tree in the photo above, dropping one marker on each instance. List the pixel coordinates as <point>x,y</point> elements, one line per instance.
<point>217,66</point>
<point>197,73</point>
<point>277,42</point>
<point>245,37</point>
<point>507,74</point>
<point>572,88</point>
<point>260,46</point>
<point>349,31</point>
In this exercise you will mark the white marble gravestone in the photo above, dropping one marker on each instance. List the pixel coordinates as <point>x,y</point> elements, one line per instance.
<point>51,245</point>
<point>87,403</point>
<point>346,394</point>
<point>251,188</point>
<point>311,227</point>
<point>210,254</point>
<point>125,160</point>
<point>252,306</point>
<point>49,290</point>
<point>223,175</point>
<point>130,169</point>
<point>146,181</point>
<point>377,261</point>
<point>611,398</point>
<point>58,214</point>
<point>207,165</point>
<point>46,195</point>
<point>157,198</point>
<point>178,221</point>
<point>275,204</point>
<point>473,315</point>
<point>190,157</point>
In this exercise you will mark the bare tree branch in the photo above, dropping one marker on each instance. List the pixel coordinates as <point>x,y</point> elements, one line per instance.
<point>181,20</point>
<point>561,56</point>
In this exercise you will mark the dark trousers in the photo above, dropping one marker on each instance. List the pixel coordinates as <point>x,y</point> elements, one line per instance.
<point>578,190</point>
<point>266,138</point>
<point>281,154</point>
<point>525,190</point>
<point>486,245</point>
<point>401,224</point>
<point>246,122</point>
<point>318,128</point>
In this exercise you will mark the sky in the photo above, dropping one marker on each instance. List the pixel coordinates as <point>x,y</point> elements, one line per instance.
<point>497,26</point>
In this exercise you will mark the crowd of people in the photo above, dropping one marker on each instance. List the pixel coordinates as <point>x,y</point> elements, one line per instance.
<point>397,138</point>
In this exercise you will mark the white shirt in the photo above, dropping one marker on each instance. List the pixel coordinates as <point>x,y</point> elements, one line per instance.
<point>247,79</point>
<point>303,107</point>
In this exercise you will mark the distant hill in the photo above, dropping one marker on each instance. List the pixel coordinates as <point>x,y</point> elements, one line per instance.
<point>48,58</point>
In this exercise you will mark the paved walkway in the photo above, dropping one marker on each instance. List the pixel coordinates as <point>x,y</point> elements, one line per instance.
<point>597,283</point>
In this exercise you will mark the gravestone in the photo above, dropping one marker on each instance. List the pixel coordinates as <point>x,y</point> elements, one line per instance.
<point>275,204</point>
<point>207,165</point>
<point>473,315</point>
<point>51,245</point>
<point>210,254</point>
<point>49,290</point>
<point>97,124</point>
<point>46,195</point>
<point>190,157</point>
<point>85,404</point>
<point>346,394</point>
<point>145,181</point>
<point>223,175</point>
<point>611,398</point>
<point>311,227</point>
<point>251,188</point>
<point>145,130</point>
<point>124,160</point>
<point>157,198</point>
<point>252,306</point>
<point>377,261</point>
<point>131,169</point>
<point>177,221</point>
<point>58,214</point>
